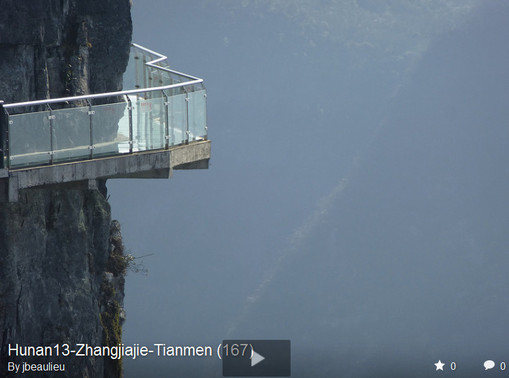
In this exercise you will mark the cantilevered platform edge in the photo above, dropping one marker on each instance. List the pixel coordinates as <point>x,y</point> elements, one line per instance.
<point>149,164</point>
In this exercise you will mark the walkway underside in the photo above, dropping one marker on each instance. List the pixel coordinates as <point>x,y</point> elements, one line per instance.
<point>85,173</point>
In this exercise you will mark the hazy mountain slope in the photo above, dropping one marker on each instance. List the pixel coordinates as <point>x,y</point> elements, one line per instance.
<point>407,265</point>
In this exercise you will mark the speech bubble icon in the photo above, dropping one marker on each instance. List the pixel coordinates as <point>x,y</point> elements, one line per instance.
<point>489,364</point>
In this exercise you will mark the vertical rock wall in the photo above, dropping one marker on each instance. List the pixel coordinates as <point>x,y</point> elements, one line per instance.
<point>62,47</point>
<point>61,273</point>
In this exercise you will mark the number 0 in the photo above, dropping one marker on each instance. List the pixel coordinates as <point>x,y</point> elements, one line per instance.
<point>502,365</point>
<point>453,365</point>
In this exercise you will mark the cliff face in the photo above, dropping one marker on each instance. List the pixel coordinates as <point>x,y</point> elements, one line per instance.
<point>54,253</point>
<point>62,47</point>
<point>61,267</point>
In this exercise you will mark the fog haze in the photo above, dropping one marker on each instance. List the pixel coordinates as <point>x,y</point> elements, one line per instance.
<point>356,201</point>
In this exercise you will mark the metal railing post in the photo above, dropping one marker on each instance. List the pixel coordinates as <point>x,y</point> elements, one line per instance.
<point>4,134</point>
<point>206,122</point>
<point>187,116</point>
<point>144,72</point>
<point>147,126</point>
<point>130,111</point>
<point>51,117</point>
<point>136,70</point>
<point>91,142</point>
<point>162,124</point>
<point>166,121</point>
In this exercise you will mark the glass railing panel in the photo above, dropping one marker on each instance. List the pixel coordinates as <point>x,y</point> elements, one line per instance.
<point>110,129</point>
<point>29,139</point>
<point>139,62</point>
<point>162,77</point>
<point>163,64</point>
<point>148,124</point>
<point>71,134</point>
<point>197,115</point>
<point>144,76</point>
<point>136,114</point>
<point>129,77</point>
<point>149,71</point>
<point>177,119</point>
<point>84,132</point>
<point>165,78</point>
<point>154,77</point>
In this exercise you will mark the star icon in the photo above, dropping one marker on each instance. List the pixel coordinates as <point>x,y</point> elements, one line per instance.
<point>439,365</point>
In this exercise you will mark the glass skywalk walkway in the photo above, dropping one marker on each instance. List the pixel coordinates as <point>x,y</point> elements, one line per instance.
<point>158,108</point>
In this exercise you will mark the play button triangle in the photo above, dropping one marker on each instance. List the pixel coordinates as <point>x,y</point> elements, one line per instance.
<point>256,358</point>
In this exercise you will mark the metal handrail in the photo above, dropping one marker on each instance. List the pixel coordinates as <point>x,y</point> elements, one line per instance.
<point>194,80</point>
<point>160,59</point>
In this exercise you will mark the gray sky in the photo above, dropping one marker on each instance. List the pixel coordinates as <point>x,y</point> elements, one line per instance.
<point>356,198</point>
